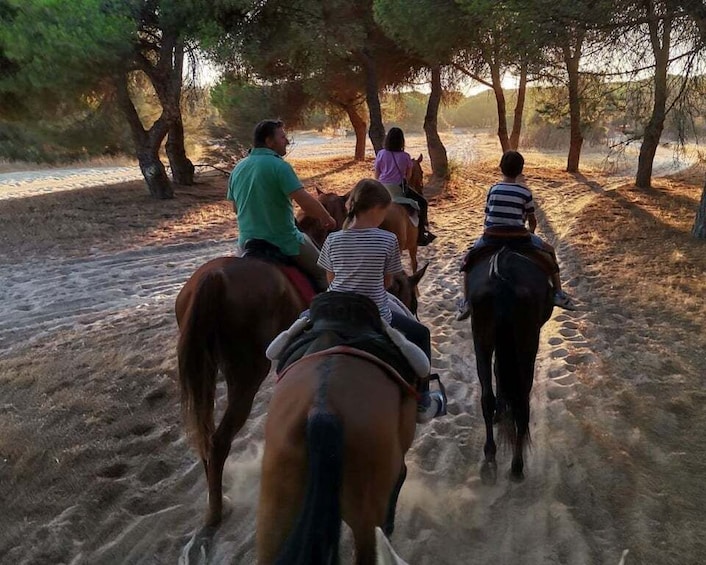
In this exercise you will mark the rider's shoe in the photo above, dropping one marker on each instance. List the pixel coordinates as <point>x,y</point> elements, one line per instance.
<point>432,404</point>
<point>425,238</point>
<point>563,300</point>
<point>464,310</point>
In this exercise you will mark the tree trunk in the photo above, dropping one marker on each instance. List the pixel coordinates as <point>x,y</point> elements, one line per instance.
<point>182,167</point>
<point>519,108</point>
<point>360,129</point>
<point>699,229</point>
<point>372,98</point>
<point>147,144</point>
<point>500,104</point>
<point>654,128</point>
<point>437,151</point>
<point>572,68</point>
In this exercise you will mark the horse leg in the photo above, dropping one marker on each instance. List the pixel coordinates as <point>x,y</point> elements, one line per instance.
<point>240,400</point>
<point>412,245</point>
<point>485,375</point>
<point>281,495</point>
<point>389,525</point>
<point>365,546</point>
<point>413,259</point>
<point>521,415</point>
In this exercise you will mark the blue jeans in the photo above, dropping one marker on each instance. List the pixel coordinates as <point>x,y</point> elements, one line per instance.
<point>536,242</point>
<point>414,331</point>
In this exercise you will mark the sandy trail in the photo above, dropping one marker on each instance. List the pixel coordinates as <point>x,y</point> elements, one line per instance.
<point>140,495</point>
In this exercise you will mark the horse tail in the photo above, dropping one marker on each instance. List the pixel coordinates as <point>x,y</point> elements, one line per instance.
<point>198,353</point>
<point>315,537</point>
<point>506,357</point>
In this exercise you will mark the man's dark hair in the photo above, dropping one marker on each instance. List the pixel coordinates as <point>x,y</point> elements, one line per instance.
<point>265,129</point>
<point>512,163</point>
<point>394,140</point>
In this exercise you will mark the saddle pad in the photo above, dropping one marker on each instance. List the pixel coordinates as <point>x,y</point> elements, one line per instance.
<point>323,337</point>
<point>300,282</point>
<point>411,206</point>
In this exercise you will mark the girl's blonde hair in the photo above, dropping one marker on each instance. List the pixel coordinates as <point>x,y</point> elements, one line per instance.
<point>366,195</point>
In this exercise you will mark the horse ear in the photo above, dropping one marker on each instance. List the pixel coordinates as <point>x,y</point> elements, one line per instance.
<point>416,277</point>
<point>419,159</point>
<point>319,191</point>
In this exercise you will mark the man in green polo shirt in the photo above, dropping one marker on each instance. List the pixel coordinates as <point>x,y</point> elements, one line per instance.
<point>262,187</point>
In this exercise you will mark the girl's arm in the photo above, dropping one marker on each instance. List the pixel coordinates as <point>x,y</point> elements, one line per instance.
<point>330,276</point>
<point>387,279</point>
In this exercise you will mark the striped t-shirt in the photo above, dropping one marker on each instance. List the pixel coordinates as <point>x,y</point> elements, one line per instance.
<point>359,260</point>
<point>508,204</point>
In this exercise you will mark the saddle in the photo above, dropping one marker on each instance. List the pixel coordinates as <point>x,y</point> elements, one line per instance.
<point>519,244</point>
<point>350,320</point>
<point>265,251</point>
<point>410,206</point>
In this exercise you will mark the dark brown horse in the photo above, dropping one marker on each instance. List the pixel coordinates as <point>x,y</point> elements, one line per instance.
<point>337,431</point>
<point>511,299</point>
<point>228,312</point>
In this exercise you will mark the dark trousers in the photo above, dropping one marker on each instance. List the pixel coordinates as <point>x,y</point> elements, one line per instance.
<point>423,207</point>
<point>418,334</point>
<point>414,331</point>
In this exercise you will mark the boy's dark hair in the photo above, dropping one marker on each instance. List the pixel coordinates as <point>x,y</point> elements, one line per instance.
<point>366,195</point>
<point>512,163</point>
<point>265,129</point>
<point>394,140</point>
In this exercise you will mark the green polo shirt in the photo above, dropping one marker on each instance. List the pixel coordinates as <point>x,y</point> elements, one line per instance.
<point>261,185</point>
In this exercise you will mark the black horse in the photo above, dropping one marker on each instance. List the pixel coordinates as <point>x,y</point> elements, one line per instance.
<point>511,299</point>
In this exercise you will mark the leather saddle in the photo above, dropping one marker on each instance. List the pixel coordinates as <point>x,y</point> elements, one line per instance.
<point>353,320</point>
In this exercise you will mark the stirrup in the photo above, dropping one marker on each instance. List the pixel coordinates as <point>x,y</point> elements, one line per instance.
<point>464,310</point>
<point>439,395</point>
<point>433,403</point>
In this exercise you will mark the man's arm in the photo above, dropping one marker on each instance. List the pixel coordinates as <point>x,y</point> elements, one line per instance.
<point>312,207</point>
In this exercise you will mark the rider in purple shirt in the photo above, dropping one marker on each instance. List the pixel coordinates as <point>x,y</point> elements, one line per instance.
<point>392,165</point>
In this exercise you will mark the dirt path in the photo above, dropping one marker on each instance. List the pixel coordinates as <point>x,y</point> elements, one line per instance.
<point>94,467</point>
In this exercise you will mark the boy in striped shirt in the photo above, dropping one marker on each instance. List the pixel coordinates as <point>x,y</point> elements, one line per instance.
<point>509,206</point>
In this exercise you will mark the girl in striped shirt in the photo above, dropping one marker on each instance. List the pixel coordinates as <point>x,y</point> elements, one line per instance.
<point>362,258</point>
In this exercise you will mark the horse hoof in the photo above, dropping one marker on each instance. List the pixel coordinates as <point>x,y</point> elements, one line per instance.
<point>489,473</point>
<point>517,476</point>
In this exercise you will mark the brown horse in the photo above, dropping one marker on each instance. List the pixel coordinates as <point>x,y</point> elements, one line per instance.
<point>416,179</point>
<point>337,431</point>
<point>397,220</point>
<point>228,312</point>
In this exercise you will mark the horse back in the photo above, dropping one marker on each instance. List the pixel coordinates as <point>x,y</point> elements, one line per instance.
<point>251,292</point>
<point>519,292</point>
<point>398,221</point>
